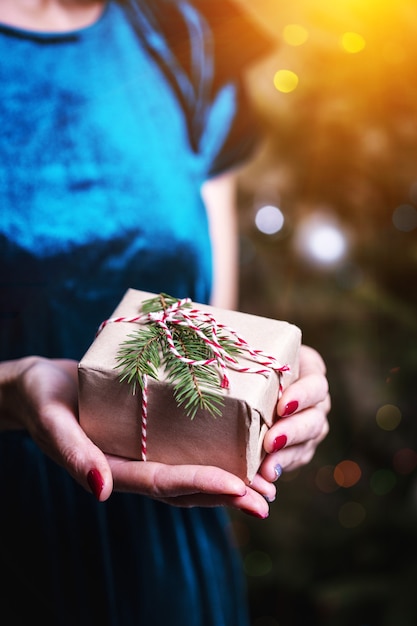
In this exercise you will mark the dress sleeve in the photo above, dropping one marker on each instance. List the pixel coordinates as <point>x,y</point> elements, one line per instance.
<point>228,129</point>
<point>203,48</point>
<point>231,130</point>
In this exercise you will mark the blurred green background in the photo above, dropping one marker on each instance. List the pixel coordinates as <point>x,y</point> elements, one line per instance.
<point>329,242</point>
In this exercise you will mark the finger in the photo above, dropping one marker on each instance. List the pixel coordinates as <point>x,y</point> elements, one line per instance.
<point>289,459</point>
<point>264,487</point>
<point>252,503</point>
<point>311,362</point>
<point>310,388</point>
<point>302,394</point>
<point>310,424</point>
<point>299,449</point>
<point>158,480</point>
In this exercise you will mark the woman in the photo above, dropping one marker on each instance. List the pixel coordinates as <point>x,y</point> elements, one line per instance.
<point>117,120</point>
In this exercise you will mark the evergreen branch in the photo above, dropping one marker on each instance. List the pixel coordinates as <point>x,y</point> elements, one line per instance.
<point>195,386</point>
<point>147,350</point>
<point>139,355</point>
<point>160,303</point>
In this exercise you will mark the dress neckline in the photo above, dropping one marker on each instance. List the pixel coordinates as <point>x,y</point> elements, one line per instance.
<point>27,33</point>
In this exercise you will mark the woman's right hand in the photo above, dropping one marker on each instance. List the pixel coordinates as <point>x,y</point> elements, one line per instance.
<point>41,396</point>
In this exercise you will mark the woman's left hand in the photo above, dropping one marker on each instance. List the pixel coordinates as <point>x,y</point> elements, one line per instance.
<point>301,425</point>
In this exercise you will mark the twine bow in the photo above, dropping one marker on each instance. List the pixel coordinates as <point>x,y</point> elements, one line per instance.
<point>179,313</point>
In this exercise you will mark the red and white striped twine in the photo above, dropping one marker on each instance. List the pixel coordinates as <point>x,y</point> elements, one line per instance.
<point>180,315</point>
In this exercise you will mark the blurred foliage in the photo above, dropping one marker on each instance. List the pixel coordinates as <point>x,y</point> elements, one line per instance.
<point>343,144</point>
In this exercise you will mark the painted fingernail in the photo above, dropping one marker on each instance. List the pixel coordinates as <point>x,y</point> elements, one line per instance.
<point>278,471</point>
<point>279,443</point>
<point>290,408</point>
<point>96,482</point>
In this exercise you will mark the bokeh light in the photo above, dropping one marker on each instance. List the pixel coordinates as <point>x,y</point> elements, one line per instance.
<point>404,218</point>
<point>269,220</point>
<point>295,34</point>
<point>352,42</point>
<point>388,417</point>
<point>286,81</point>
<point>405,461</point>
<point>338,160</point>
<point>321,240</point>
<point>351,514</point>
<point>347,473</point>
<point>327,244</point>
<point>383,481</point>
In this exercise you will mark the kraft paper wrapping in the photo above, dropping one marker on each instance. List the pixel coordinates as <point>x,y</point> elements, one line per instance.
<point>111,415</point>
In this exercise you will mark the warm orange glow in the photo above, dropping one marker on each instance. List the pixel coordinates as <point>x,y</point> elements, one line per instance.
<point>352,42</point>
<point>295,34</point>
<point>347,473</point>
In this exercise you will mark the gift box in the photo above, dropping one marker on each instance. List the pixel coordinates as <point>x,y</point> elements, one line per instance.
<point>112,415</point>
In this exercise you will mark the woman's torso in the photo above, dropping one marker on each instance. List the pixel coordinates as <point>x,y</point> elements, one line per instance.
<point>100,190</point>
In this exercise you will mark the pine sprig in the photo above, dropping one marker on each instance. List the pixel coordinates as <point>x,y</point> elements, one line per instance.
<point>195,386</point>
<point>161,302</point>
<point>147,350</point>
<point>139,355</point>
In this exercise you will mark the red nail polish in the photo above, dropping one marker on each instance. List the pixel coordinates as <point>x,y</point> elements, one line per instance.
<point>96,482</point>
<point>290,408</point>
<point>279,443</point>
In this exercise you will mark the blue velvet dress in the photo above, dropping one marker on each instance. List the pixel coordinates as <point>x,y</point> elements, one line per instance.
<point>106,136</point>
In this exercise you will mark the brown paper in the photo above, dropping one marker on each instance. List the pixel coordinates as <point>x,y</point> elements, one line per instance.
<point>111,415</point>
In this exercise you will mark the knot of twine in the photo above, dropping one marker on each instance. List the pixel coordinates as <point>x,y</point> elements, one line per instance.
<point>180,314</point>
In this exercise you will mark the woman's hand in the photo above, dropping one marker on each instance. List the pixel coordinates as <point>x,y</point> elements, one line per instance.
<point>302,420</point>
<point>189,485</point>
<point>41,395</point>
